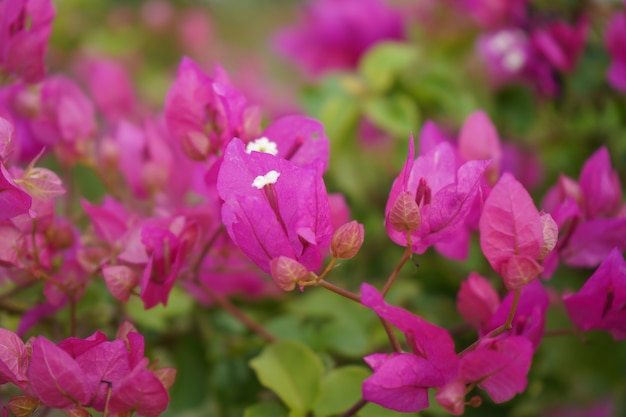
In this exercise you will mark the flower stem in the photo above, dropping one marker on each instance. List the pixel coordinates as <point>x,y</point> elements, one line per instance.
<point>405,258</point>
<point>239,314</point>
<point>508,324</point>
<point>338,290</point>
<point>355,408</point>
<point>395,344</point>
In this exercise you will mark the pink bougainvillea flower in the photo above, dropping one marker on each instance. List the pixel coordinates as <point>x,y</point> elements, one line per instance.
<point>55,377</point>
<point>273,207</point>
<point>110,87</point>
<point>334,34</point>
<point>443,193</point>
<point>14,201</point>
<point>401,381</point>
<point>512,233</point>
<point>496,13</point>
<point>601,303</point>
<point>530,316</point>
<point>589,214</point>
<point>167,243</point>
<point>510,57</point>
<point>25,27</point>
<point>614,40</point>
<point>561,44</point>
<point>204,114</point>
<point>298,139</point>
<point>477,301</point>
<point>478,139</point>
<point>13,359</point>
<point>499,366</point>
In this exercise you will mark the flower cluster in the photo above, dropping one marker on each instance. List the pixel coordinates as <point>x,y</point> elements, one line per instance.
<point>77,374</point>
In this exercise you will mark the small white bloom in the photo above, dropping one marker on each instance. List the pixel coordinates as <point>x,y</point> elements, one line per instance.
<point>263,180</point>
<point>262,145</point>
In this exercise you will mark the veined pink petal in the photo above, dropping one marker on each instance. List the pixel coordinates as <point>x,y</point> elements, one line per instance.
<point>402,382</point>
<point>510,224</point>
<point>55,377</point>
<point>500,366</point>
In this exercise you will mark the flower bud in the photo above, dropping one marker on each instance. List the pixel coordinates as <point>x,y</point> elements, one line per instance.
<point>405,214</point>
<point>550,234</point>
<point>451,397</point>
<point>78,411</point>
<point>120,281</point>
<point>286,272</point>
<point>197,146</point>
<point>347,240</point>
<point>23,406</point>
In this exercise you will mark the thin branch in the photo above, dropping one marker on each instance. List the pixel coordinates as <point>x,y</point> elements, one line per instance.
<point>239,314</point>
<point>406,256</point>
<point>338,290</point>
<point>355,408</point>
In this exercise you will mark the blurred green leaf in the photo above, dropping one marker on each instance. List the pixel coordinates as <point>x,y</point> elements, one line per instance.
<point>191,386</point>
<point>292,371</point>
<point>397,114</point>
<point>382,63</point>
<point>266,410</point>
<point>341,389</point>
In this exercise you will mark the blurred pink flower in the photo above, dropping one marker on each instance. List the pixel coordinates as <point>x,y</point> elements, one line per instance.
<point>334,34</point>
<point>614,39</point>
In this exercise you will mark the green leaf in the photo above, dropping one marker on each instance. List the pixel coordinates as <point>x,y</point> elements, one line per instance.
<point>341,390</point>
<point>397,114</point>
<point>382,63</point>
<point>292,371</point>
<point>265,410</point>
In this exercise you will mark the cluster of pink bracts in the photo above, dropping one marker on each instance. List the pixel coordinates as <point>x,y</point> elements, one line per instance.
<point>202,196</point>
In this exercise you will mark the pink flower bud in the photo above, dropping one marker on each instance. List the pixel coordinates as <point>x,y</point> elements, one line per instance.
<point>347,240</point>
<point>477,301</point>
<point>125,328</point>
<point>405,214</point>
<point>286,272</point>
<point>550,234</point>
<point>452,397</point>
<point>23,406</point>
<point>78,411</point>
<point>196,145</point>
<point>120,280</point>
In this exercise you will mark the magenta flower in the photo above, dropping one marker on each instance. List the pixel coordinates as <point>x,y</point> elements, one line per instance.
<point>110,87</point>
<point>600,303</point>
<point>204,113</point>
<point>499,366</point>
<point>273,207</point>
<point>13,200</point>
<point>496,13</point>
<point>510,57</point>
<point>401,381</point>
<point>614,39</point>
<point>334,34</point>
<point>90,372</point>
<point>477,301</point>
<point>167,243</point>
<point>589,213</point>
<point>512,233</point>
<point>298,139</point>
<point>530,316</point>
<point>561,44</point>
<point>25,27</point>
<point>443,194</point>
